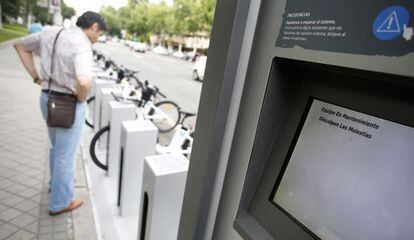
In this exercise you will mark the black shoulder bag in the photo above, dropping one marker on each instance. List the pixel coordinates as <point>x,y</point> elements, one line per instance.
<point>61,107</point>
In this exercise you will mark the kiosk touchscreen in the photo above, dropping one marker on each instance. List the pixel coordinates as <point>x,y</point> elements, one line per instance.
<point>337,164</point>
<point>349,176</point>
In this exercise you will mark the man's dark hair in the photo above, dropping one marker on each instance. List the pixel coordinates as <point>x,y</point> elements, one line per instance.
<point>88,18</point>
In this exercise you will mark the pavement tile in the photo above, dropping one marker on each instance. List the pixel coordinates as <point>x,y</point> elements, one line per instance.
<point>4,195</point>
<point>25,206</point>
<point>9,214</point>
<point>60,236</point>
<point>28,193</point>
<point>6,183</point>
<point>12,200</point>
<point>13,164</point>
<point>60,228</point>
<point>46,229</point>
<point>10,174</point>
<point>30,182</point>
<point>7,230</point>
<point>3,207</point>
<point>33,227</point>
<point>23,220</point>
<point>21,235</point>
<point>15,188</point>
<point>20,177</point>
<point>35,212</point>
<point>38,187</point>
<point>46,236</point>
<point>36,198</point>
<point>35,173</point>
<point>47,222</point>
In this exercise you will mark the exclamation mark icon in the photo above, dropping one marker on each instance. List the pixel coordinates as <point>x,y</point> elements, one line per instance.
<point>390,22</point>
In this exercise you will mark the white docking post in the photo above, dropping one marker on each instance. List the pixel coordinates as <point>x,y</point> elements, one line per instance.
<point>162,196</point>
<point>138,140</point>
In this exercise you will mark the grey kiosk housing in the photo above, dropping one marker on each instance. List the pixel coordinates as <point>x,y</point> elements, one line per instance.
<point>266,90</point>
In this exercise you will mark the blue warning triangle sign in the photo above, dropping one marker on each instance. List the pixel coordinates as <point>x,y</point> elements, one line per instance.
<point>390,24</point>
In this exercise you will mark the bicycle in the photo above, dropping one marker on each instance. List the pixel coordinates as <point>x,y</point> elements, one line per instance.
<point>146,110</point>
<point>125,78</point>
<point>182,140</point>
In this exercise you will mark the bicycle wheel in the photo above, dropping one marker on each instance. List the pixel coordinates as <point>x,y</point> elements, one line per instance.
<point>165,116</point>
<point>90,111</point>
<point>94,150</point>
<point>134,81</point>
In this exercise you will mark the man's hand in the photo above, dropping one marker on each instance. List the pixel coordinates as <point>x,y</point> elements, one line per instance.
<point>83,84</point>
<point>39,81</point>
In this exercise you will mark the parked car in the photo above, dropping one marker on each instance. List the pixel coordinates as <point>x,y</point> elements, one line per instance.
<point>160,50</point>
<point>115,39</point>
<point>189,56</point>
<point>102,39</point>
<point>140,47</point>
<point>199,68</point>
<point>178,54</point>
<point>127,43</point>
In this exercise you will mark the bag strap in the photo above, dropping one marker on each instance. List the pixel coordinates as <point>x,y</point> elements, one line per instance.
<point>51,63</point>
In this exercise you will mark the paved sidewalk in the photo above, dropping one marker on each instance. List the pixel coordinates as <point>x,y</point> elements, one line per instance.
<point>23,164</point>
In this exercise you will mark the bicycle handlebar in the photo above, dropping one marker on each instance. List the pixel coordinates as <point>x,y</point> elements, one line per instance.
<point>161,94</point>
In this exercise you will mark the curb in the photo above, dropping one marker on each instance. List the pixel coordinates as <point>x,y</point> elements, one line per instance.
<point>98,228</point>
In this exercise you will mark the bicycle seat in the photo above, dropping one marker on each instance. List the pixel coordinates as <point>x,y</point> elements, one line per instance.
<point>187,114</point>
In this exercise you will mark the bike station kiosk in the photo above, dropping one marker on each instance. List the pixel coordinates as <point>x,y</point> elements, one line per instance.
<point>118,112</point>
<point>97,109</point>
<point>162,194</point>
<point>306,123</point>
<point>104,117</point>
<point>138,139</point>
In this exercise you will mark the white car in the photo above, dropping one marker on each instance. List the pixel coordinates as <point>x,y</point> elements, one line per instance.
<point>140,47</point>
<point>102,39</point>
<point>199,68</point>
<point>178,54</point>
<point>160,50</point>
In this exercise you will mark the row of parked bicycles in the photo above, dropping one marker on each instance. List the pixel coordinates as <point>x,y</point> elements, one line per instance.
<point>151,105</point>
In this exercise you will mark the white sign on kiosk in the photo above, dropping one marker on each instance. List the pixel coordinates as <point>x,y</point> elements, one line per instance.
<point>350,176</point>
<point>163,187</point>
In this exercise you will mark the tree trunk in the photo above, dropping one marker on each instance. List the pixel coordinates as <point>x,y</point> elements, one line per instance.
<point>1,19</point>
<point>26,14</point>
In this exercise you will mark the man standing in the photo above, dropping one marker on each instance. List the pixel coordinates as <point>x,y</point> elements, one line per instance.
<point>71,74</point>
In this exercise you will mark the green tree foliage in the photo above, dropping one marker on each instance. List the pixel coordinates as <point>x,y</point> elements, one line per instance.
<point>135,19</point>
<point>141,18</point>
<point>206,14</point>
<point>112,20</point>
<point>42,14</point>
<point>22,8</point>
<point>157,16</point>
<point>67,12</point>
<point>186,21</point>
<point>11,8</point>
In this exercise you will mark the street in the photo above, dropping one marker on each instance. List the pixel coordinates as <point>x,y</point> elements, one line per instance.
<point>172,76</point>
